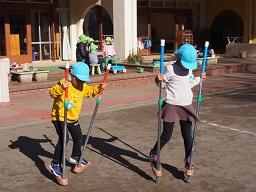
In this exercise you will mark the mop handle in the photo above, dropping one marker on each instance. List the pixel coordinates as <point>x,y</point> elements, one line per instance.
<point>98,100</point>
<point>65,122</point>
<point>206,45</point>
<point>66,79</point>
<point>160,103</point>
<point>105,78</point>
<point>162,44</point>
<point>200,98</point>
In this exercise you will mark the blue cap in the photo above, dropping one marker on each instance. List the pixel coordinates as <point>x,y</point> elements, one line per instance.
<point>81,71</point>
<point>187,55</point>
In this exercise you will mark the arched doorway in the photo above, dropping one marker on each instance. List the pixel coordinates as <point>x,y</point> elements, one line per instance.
<point>226,24</point>
<point>97,22</point>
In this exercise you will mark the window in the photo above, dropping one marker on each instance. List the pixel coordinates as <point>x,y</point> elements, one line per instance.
<point>15,0</point>
<point>28,1</point>
<point>184,5</point>
<point>63,3</point>
<point>156,3</point>
<point>2,36</point>
<point>41,1</point>
<point>18,34</point>
<point>41,36</point>
<point>142,3</point>
<point>170,4</point>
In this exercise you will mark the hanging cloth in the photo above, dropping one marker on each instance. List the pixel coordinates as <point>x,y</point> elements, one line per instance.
<point>147,43</point>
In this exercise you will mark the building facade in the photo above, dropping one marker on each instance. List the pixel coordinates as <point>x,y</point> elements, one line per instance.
<point>30,30</point>
<point>47,30</point>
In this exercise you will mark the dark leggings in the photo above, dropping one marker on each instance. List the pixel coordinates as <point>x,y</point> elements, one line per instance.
<point>75,131</point>
<point>186,131</point>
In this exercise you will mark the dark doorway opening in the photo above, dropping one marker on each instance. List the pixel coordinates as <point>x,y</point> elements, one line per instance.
<point>97,22</point>
<point>227,24</point>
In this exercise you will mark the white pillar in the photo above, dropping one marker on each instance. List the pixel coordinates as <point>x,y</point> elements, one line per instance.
<point>75,31</point>
<point>250,21</point>
<point>4,82</point>
<point>125,26</point>
<point>66,49</point>
<point>73,41</point>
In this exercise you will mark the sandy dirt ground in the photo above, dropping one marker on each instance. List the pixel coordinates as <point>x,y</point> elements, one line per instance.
<point>120,142</point>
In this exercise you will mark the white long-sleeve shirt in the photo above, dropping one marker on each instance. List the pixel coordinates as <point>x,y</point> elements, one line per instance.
<point>178,85</point>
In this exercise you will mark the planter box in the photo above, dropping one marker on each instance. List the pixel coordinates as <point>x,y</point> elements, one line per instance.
<point>40,75</point>
<point>242,54</point>
<point>23,77</point>
<point>148,68</point>
<point>210,60</point>
<point>154,67</point>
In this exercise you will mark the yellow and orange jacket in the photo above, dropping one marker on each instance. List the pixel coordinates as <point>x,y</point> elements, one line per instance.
<point>75,98</point>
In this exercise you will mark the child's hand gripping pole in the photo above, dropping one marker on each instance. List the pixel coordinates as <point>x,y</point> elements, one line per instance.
<point>158,171</point>
<point>78,168</point>
<point>190,169</point>
<point>64,180</point>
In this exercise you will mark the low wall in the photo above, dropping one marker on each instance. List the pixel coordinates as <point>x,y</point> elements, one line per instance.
<point>18,90</point>
<point>233,49</point>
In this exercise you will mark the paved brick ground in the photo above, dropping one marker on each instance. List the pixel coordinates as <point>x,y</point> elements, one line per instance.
<point>124,132</point>
<point>35,105</point>
<point>30,102</point>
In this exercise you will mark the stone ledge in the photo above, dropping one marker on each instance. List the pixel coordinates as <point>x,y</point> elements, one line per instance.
<point>210,60</point>
<point>147,68</point>
<point>131,79</point>
<point>112,80</point>
<point>233,49</point>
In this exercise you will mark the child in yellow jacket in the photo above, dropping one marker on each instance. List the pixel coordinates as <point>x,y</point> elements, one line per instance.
<point>77,90</point>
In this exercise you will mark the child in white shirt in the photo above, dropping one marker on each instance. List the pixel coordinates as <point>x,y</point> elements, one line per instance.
<point>178,81</point>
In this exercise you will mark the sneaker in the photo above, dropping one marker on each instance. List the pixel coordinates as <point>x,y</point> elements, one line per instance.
<point>55,169</point>
<point>75,160</point>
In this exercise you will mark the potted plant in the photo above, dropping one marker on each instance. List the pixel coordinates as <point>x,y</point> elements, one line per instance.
<point>134,58</point>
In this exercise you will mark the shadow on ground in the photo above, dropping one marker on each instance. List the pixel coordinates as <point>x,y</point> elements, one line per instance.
<point>103,146</point>
<point>32,148</point>
<point>178,174</point>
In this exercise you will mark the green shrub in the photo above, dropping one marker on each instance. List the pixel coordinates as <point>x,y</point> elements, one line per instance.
<point>134,58</point>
